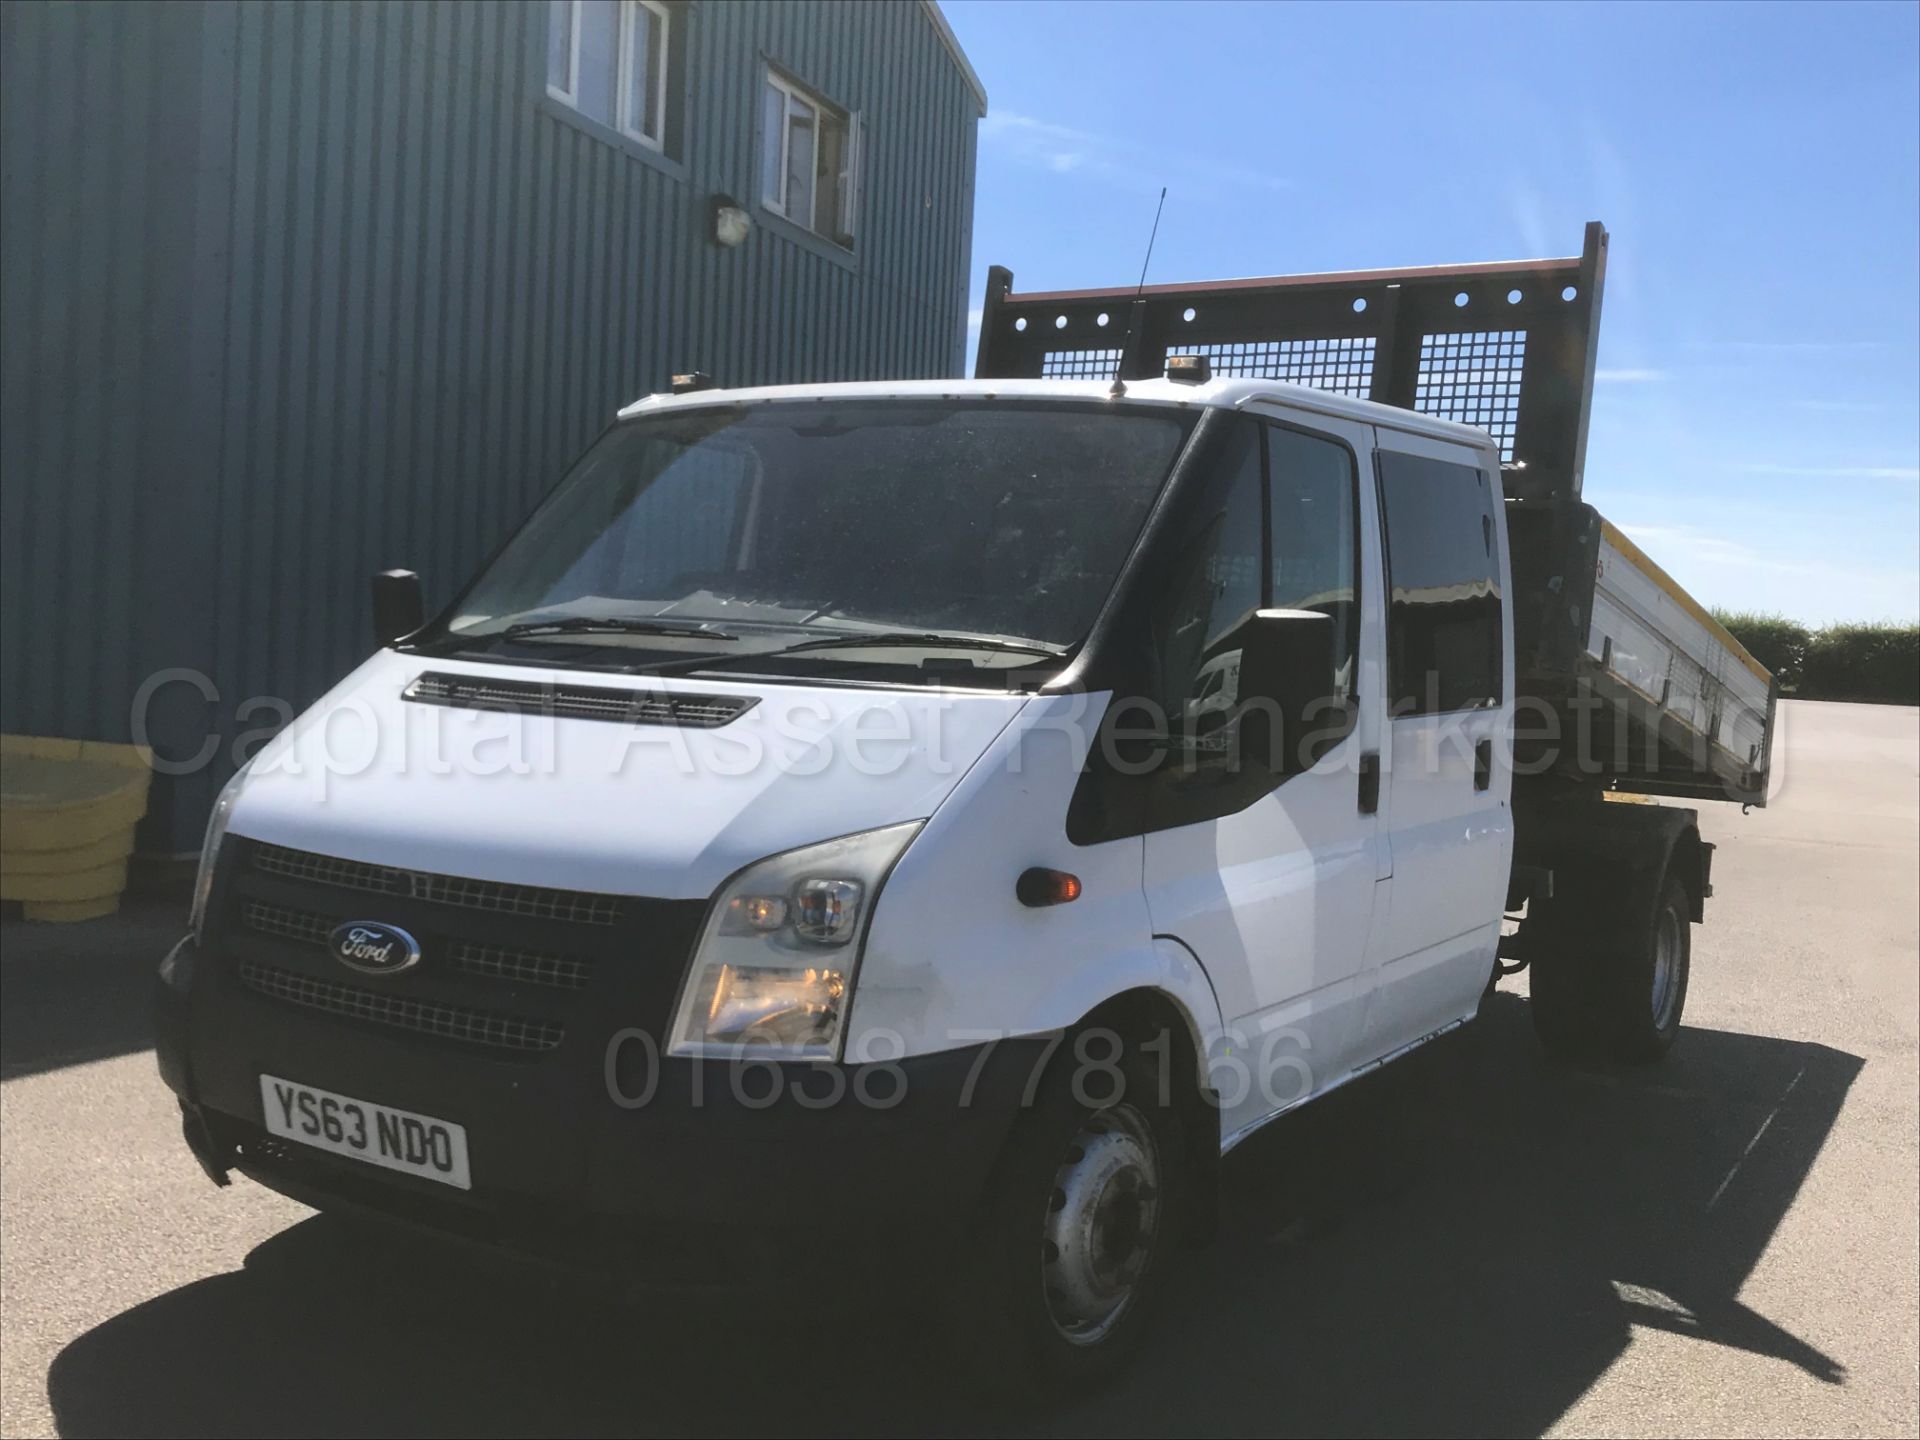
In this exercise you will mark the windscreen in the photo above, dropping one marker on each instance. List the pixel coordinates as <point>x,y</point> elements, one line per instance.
<point>985,518</point>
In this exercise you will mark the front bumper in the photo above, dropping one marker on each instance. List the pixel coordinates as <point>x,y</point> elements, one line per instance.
<point>723,1172</point>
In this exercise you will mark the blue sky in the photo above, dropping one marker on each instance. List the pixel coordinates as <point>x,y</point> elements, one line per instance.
<point>1757,415</point>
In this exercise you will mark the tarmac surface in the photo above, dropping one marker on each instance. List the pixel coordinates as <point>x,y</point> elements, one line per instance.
<point>1475,1240</point>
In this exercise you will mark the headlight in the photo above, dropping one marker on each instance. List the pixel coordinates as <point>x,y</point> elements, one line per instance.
<point>773,972</point>
<point>210,849</point>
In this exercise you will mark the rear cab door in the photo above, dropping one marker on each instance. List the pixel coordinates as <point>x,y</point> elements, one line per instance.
<point>1449,678</point>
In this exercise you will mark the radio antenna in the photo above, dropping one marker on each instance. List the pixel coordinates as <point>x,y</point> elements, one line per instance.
<point>1133,311</point>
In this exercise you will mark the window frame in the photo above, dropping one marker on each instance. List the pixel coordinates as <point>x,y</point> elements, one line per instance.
<point>1134,786</point>
<point>1266,423</point>
<point>627,24</point>
<point>630,21</point>
<point>772,76</point>
<point>565,95</point>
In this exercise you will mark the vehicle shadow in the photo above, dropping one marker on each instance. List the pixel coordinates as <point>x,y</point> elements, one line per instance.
<point>1459,1244</point>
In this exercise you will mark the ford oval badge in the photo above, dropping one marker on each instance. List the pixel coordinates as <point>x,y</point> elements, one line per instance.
<point>373,947</point>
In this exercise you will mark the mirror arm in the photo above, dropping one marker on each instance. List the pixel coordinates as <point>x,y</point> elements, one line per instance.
<point>399,606</point>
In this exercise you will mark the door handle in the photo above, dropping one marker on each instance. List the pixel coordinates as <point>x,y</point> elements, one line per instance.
<point>1369,782</point>
<point>1483,765</point>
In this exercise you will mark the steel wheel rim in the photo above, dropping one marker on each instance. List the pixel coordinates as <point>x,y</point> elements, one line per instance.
<point>1101,1224</point>
<point>1666,969</point>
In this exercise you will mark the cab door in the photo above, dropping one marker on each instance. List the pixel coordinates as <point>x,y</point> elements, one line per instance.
<point>1450,705</point>
<point>1272,885</point>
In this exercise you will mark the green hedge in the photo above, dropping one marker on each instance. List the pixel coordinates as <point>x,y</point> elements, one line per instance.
<point>1839,662</point>
<point>1863,662</point>
<point>1776,642</point>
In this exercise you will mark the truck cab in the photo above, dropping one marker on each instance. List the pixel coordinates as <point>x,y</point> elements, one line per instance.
<point>937,817</point>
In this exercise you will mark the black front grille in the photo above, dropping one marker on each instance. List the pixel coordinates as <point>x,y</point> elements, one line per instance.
<point>527,967</point>
<point>536,902</point>
<point>496,962</point>
<point>504,969</point>
<point>403,1012</point>
<point>579,702</point>
<point>302,925</point>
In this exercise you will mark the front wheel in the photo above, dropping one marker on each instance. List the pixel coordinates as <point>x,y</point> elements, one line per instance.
<point>1074,1240</point>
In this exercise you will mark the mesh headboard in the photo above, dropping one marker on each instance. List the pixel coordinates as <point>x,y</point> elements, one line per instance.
<point>1507,346</point>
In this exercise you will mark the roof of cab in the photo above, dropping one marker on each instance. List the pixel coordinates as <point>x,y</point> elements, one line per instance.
<point>1222,394</point>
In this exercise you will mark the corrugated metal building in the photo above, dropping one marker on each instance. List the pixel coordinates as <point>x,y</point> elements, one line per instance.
<point>294,292</point>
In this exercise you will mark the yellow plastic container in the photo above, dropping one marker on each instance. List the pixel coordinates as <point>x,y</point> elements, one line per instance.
<point>67,814</point>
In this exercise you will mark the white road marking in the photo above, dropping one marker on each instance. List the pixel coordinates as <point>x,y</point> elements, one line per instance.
<point>1756,1138</point>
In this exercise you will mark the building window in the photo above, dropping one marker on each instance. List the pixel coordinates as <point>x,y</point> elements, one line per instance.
<point>806,159</point>
<point>608,60</point>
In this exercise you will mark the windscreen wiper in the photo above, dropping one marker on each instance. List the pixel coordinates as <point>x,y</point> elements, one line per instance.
<point>610,625</point>
<point>876,639</point>
<point>928,638</point>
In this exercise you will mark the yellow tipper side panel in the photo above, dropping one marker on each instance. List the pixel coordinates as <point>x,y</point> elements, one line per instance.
<point>1693,607</point>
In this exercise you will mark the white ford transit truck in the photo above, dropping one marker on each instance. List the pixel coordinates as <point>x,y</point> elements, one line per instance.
<point>953,814</point>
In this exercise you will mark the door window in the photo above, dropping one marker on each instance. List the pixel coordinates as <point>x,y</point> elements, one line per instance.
<point>1315,537</point>
<point>1443,574</point>
<point>1216,581</point>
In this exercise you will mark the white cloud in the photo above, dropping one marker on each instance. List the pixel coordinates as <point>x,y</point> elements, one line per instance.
<point>1031,139</point>
<point>1530,217</point>
<point>1831,472</point>
<point>1789,347</point>
<point>1064,150</point>
<point>1629,377</point>
<point>1849,407</point>
<point>1693,543</point>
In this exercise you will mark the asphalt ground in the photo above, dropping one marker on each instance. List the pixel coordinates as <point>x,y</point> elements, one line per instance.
<point>1473,1241</point>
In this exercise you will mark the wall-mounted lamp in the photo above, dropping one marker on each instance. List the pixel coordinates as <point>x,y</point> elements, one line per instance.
<point>731,222</point>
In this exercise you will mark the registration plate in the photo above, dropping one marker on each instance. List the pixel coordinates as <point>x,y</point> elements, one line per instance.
<point>378,1134</point>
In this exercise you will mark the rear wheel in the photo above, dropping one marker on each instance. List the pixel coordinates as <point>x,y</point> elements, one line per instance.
<point>1610,971</point>
<point>1667,983</point>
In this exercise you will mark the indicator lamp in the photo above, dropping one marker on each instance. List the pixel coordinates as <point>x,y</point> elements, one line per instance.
<point>1040,887</point>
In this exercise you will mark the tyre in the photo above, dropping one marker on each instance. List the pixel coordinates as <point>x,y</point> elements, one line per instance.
<point>1610,972</point>
<point>1076,1232</point>
<point>1657,972</point>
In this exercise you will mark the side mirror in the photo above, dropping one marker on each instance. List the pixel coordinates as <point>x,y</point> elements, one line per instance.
<point>399,605</point>
<point>1290,709</point>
